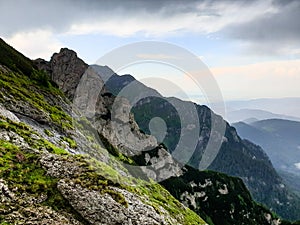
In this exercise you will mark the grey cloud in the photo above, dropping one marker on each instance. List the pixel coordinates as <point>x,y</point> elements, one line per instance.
<point>59,15</point>
<point>19,16</point>
<point>272,32</point>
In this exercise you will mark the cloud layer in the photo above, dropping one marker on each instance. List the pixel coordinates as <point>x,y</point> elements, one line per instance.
<point>263,27</point>
<point>250,20</point>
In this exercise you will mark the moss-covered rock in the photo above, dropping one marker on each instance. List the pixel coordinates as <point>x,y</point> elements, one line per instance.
<point>44,181</point>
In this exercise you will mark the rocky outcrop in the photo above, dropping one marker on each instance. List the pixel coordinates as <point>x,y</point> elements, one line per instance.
<point>110,115</point>
<point>103,209</point>
<point>89,189</point>
<point>8,114</point>
<point>43,65</point>
<point>65,69</point>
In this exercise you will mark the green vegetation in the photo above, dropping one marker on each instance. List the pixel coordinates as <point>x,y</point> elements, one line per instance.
<point>20,128</point>
<point>22,171</point>
<point>95,175</point>
<point>14,60</point>
<point>22,88</point>
<point>25,132</point>
<point>117,196</point>
<point>18,63</point>
<point>49,133</point>
<point>41,77</point>
<point>32,91</point>
<point>101,176</point>
<point>70,141</point>
<point>159,198</point>
<point>233,205</point>
<point>235,156</point>
<point>25,84</point>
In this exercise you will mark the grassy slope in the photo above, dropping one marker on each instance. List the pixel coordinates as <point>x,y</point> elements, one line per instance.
<point>28,176</point>
<point>26,85</point>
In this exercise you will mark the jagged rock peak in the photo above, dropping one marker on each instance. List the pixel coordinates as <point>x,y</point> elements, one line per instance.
<point>68,54</point>
<point>65,69</point>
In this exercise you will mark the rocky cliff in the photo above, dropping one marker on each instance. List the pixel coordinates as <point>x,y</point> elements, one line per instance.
<point>53,170</point>
<point>89,163</point>
<point>233,155</point>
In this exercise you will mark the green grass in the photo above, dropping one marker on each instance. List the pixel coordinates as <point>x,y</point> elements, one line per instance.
<point>14,60</point>
<point>20,128</point>
<point>21,170</point>
<point>27,175</point>
<point>117,196</point>
<point>70,141</point>
<point>160,197</point>
<point>48,133</point>
<point>22,88</point>
<point>52,148</point>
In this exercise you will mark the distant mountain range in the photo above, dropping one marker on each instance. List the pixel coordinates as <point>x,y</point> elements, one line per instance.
<point>253,115</point>
<point>283,106</point>
<point>281,141</point>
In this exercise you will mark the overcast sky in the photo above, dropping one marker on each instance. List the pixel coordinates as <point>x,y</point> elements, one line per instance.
<point>251,47</point>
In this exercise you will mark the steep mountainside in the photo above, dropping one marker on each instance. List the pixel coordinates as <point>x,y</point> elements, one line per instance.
<point>281,140</point>
<point>292,180</point>
<point>236,157</point>
<point>43,182</point>
<point>64,163</point>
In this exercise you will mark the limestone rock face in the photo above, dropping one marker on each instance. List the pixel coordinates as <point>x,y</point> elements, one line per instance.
<point>91,98</point>
<point>39,215</point>
<point>111,115</point>
<point>92,205</point>
<point>65,69</point>
<point>99,208</point>
<point>6,113</point>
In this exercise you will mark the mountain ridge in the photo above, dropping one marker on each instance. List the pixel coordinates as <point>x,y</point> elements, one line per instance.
<point>280,138</point>
<point>236,157</point>
<point>255,114</point>
<point>74,179</point>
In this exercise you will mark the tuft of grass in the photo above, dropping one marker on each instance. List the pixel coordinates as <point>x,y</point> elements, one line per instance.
<point>70,141</point>
<point>117,196</point>
<point>52,148</point>
<point>21,169</point>
<point>48,133</point>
